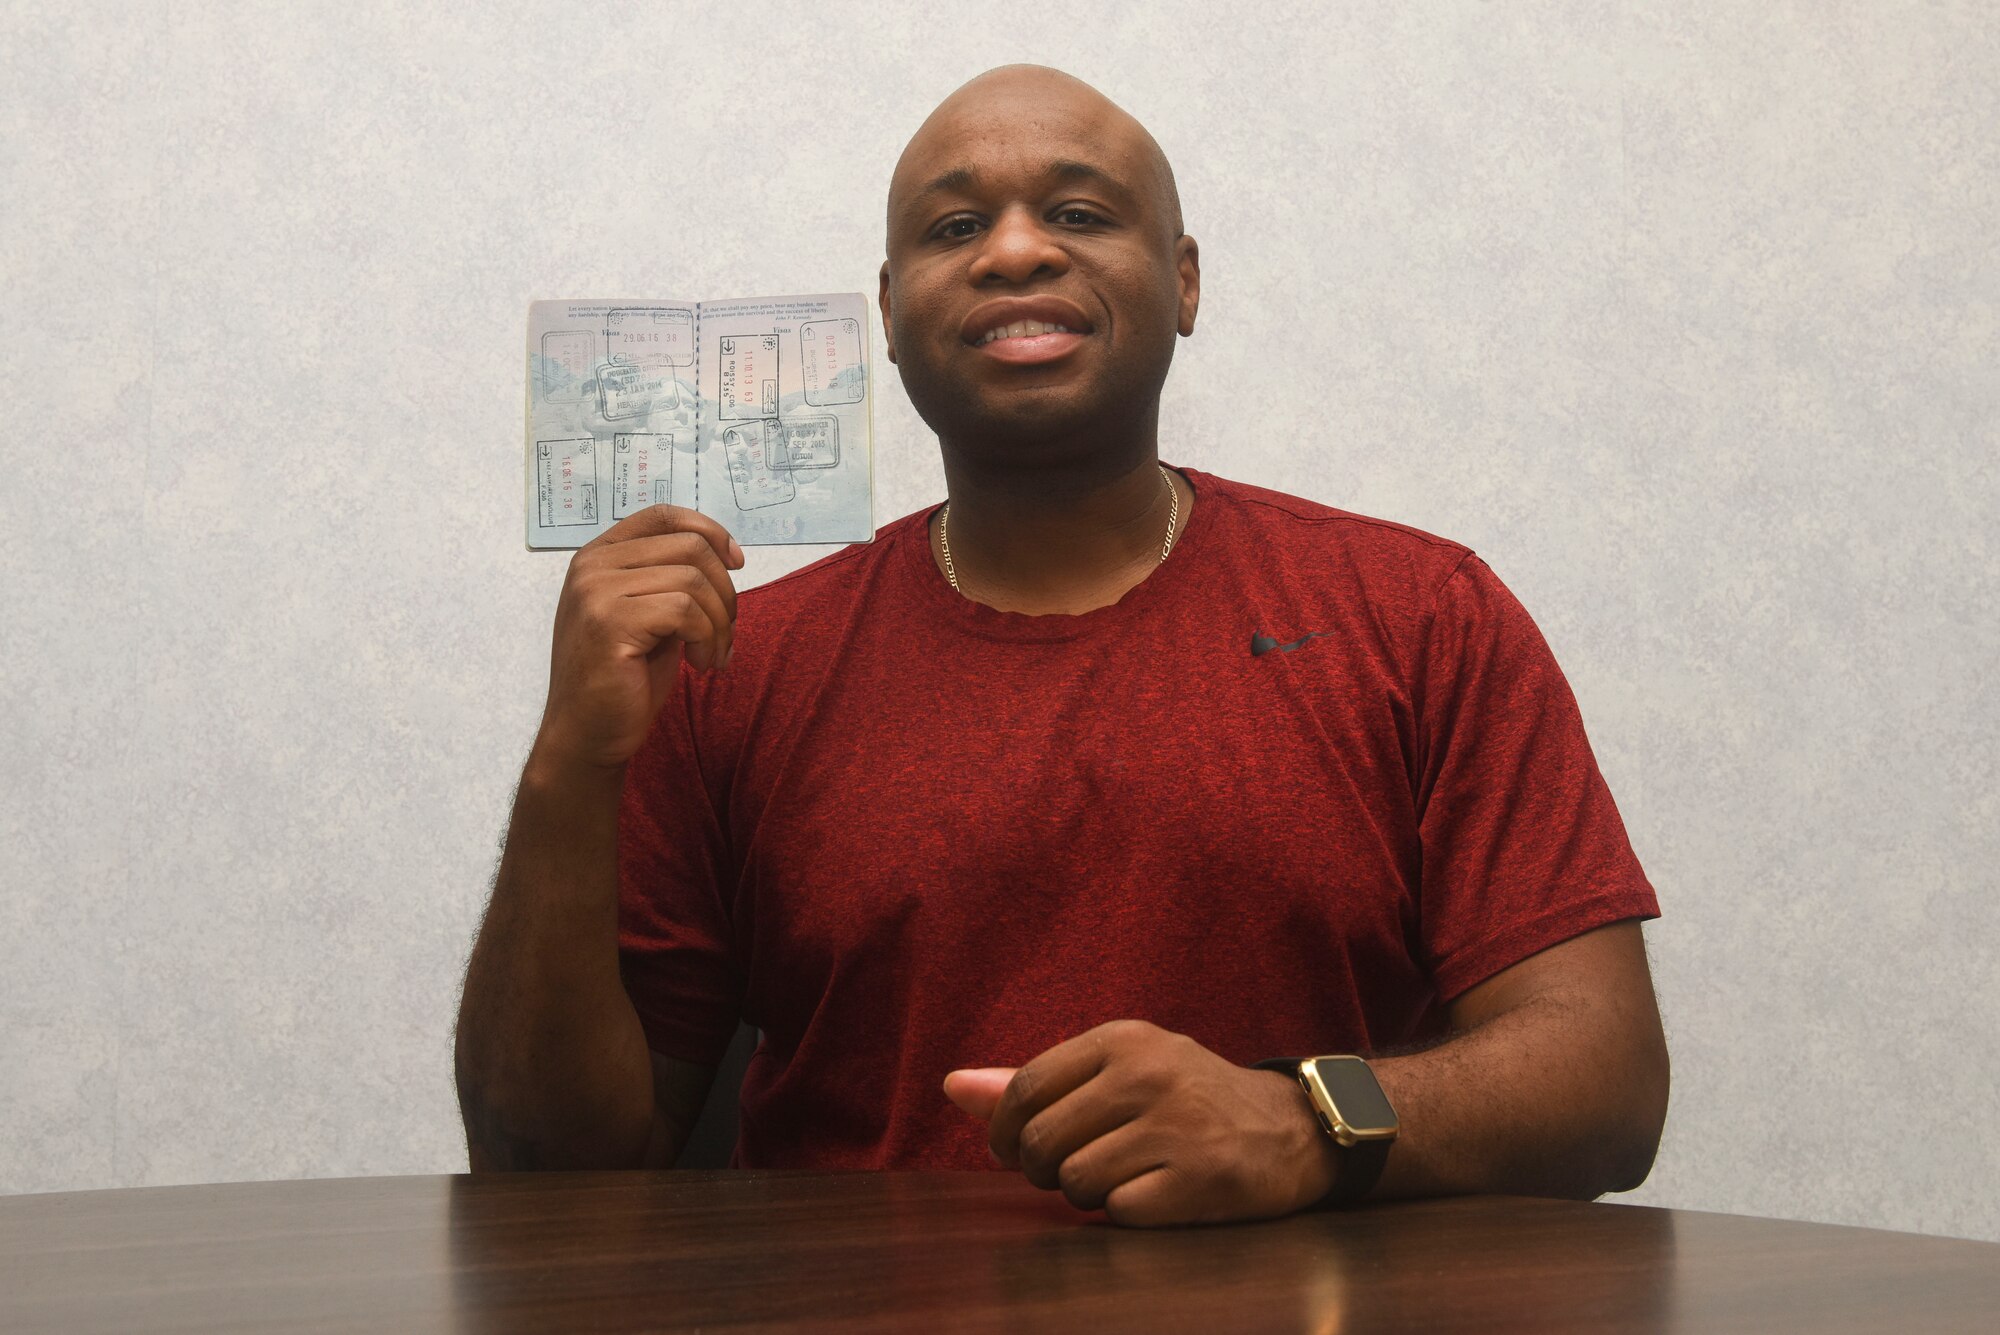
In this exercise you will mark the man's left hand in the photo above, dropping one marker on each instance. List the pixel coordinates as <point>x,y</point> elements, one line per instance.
<point>1152,1128</point>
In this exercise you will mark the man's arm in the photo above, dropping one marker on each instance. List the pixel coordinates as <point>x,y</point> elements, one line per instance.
<point>553,1069</point>
<point>552,1062</point>
<point>1553,1083</point>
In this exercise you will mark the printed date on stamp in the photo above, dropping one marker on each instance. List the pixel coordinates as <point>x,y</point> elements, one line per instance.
<point>748,377</point>
<point>830,352</point>
<point>800,444</point>
<point>641,470</point>
<point>650,336</point>
<point>566,484</point>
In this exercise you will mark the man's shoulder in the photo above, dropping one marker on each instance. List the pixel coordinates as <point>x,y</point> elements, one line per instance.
<point>1365,544</point>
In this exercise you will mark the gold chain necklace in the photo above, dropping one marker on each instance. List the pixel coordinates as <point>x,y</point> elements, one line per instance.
<point>1173,515</point>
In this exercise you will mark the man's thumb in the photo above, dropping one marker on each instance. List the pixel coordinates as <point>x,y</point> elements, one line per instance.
<point>977,1089</point>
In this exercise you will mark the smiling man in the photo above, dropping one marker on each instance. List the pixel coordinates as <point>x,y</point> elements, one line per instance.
<point>1026,832</point>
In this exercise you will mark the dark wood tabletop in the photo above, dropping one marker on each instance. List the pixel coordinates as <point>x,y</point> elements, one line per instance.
<point>769,1250</point>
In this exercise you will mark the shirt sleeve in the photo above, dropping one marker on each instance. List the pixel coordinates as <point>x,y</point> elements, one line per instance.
<point>674,937</point>
<point>1523,847</point>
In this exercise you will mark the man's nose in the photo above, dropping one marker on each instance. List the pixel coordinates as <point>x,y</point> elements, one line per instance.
<point>1018,245</point>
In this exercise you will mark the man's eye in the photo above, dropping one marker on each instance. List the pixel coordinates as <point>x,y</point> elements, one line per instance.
<point>944,228</point>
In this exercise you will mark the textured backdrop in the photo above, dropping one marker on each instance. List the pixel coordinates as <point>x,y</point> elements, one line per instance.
<point>1683,316</point>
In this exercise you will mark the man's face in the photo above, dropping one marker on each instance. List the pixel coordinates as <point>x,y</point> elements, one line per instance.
<point>1027,192</point>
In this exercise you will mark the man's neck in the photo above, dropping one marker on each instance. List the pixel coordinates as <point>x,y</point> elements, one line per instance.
<point>1056,541</point>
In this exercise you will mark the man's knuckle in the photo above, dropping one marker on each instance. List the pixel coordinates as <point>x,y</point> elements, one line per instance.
<point>1075,1178</point>
<point>593,610</point>
<point>1139,1034</point>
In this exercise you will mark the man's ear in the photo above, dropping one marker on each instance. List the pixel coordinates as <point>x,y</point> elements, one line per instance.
<point>1187,263</point>
<point>883,301</point>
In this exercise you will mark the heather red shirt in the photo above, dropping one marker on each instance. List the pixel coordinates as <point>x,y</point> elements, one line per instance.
<point>905,832</point>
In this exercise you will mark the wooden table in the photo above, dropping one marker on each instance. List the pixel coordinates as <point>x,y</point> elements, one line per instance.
<point>764,1250</point>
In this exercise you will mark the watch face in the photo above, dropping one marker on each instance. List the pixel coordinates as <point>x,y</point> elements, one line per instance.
<point>1356,1094</point>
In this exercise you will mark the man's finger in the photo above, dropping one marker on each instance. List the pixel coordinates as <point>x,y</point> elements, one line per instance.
<point>688,549</point>
<point>717,607</point>
<point>663,518</point>
<point>1150,1200</point>
<point>1089,1174</point>
<point>1077,1125</point>
<point>676,614</point>
<point>1041,1082</point>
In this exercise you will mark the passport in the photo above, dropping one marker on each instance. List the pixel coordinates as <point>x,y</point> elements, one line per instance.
<point>755,411</point>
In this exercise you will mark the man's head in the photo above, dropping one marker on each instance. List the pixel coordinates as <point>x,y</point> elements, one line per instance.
<point>1028,183</point>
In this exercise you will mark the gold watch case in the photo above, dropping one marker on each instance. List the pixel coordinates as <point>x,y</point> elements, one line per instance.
<point>1348,1099</point>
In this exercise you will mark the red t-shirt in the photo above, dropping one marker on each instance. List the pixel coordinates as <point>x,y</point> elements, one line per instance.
<point>906,832</point>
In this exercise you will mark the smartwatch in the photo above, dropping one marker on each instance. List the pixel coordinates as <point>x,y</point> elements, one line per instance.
<point>1353,1110</point>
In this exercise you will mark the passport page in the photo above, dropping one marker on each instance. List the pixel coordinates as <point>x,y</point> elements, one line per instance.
<point>757,412</point>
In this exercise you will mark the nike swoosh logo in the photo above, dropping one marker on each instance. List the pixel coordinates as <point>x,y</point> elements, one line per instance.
<point>1264,644</point>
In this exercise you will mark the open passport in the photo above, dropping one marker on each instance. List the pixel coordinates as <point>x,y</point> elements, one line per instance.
<point>757,412</point>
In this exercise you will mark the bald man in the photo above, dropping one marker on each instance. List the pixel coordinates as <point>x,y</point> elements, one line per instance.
<point>1054,829</point>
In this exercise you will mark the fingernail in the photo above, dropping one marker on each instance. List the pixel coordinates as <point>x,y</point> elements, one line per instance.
<point>994,1157</point>
<point>736,551</point>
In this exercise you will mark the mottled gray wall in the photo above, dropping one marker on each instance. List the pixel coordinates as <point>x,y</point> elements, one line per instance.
<point>1684,316</point>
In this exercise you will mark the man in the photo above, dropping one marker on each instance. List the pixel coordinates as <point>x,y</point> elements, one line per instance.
<point>1076,795</point>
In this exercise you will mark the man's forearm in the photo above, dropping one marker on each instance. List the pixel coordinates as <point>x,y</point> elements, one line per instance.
<point>551,1062</point>
<point>1556,1097</point>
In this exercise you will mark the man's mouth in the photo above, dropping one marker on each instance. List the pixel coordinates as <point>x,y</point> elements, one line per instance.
<point>1024,329</point>
<point>1029,341</point>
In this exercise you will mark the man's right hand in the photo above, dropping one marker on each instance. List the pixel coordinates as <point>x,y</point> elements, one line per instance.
<point>634,595</point>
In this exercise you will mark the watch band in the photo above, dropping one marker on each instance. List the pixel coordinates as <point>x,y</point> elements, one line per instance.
<point>1361,1164</point>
